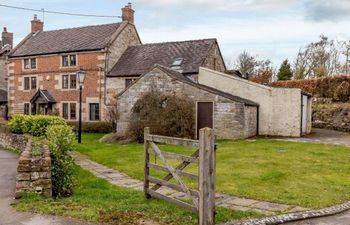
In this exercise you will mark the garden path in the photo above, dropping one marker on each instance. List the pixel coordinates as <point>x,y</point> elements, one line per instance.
<point>120,179</point>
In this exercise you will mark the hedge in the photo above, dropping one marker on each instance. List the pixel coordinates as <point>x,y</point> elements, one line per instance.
<point>93,127</point>
<point>336,88</point>
<point>35,125</point>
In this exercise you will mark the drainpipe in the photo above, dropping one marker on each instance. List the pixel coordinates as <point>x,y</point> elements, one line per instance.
<point>257,120</point>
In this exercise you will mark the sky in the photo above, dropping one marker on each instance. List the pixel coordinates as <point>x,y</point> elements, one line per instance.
<point>270,29</point>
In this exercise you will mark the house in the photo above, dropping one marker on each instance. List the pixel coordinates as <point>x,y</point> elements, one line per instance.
<point>183,56</point>
<point>282,111</point>
<point>6,43</point>
<point>229,115</point>
<point>42,76</point>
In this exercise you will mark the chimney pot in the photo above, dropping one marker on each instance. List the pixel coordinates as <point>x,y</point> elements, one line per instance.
<point>128,13</point>
<point>5,29</point>
<point>37,25</point>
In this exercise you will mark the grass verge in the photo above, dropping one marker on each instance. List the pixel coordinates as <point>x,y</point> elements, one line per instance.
<point>304,174</point>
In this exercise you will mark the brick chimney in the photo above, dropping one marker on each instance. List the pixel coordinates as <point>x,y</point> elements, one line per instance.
<point>37,25</point>
<point>7,38</point>
<point>128,13</point>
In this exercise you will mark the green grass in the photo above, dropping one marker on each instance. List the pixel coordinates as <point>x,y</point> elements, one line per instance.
<point>308,175</point>
<point>96,200</point>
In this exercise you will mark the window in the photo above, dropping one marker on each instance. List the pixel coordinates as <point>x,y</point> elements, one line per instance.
<point>33,109</point>
<point>65,82</point>
<point>26,109</point>
<point>65,110</point>
<point>94,111</point>
<point>69,60</point>
<point>29,63</point>
<point>73,111</point>
<point>69,81</point>
<point>26,83</point>
<point>128,82</point>
<point>29,83</point>
<point>73,81</point>
<point>33,82</point>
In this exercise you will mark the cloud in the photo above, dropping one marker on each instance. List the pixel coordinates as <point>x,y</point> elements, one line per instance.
<point>225,5</point>
<point>331,10</point>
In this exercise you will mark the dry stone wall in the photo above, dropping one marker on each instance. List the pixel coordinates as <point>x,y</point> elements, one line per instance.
<point>34,171</point>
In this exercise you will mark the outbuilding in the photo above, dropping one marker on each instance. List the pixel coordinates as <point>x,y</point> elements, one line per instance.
<point>229,115</point>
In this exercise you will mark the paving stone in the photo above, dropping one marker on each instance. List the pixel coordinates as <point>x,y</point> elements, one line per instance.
<point>241,201</point>
<point>262,211</point>
<point>270,206</point>
<point>239,208</point>
<point>297,209</point>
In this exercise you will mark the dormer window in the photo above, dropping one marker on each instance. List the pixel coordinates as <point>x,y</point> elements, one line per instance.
<point>69,60</point>
<point>29,64</point>
<point>177,65</point>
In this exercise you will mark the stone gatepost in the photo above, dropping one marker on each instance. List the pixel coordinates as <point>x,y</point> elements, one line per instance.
<point>34,172</point>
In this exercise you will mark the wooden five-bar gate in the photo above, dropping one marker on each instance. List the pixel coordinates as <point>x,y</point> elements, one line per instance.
<point>202,201</point>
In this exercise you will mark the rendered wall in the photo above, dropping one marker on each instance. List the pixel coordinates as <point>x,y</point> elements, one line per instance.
<point>280,108</point>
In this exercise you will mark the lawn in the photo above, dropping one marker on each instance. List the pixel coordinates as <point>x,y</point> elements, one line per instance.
<point>96,200</point>
<point>308,175</point>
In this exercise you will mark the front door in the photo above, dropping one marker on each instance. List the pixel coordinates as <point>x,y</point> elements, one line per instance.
<point>204,115</point>
<point>304,114</point>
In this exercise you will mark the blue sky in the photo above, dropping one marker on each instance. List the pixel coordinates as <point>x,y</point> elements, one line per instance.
<point>273,29</point>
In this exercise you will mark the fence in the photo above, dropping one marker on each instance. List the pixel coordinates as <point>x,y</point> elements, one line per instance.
<point>202,201</point>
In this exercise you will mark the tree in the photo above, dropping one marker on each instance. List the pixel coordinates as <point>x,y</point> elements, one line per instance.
<point>285,72</point>
<point>246,63</point>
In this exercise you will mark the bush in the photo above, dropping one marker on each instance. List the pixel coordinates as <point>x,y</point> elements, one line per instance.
<point>164,114</point>
<point>35,125</point>
<point>342,93</point>
<point>93,127</point>
<point>61,143</point>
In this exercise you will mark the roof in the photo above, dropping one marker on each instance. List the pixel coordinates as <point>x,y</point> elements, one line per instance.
<point>45,94</point>
<point>66,40</point>
<point>180,77</point>
<point>137,60</point>
<point>3,95</point>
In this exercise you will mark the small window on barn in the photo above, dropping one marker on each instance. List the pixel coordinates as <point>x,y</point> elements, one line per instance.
<point>129,82</point>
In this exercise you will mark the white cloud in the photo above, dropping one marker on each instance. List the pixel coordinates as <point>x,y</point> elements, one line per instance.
<point>332,10</point>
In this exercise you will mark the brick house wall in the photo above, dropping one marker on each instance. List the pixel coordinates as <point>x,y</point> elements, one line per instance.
<point>49,74</point>
<point>230,117</point>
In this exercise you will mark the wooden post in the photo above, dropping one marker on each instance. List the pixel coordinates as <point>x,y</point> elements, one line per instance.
<point>206,177</point>
<point>146,169</point>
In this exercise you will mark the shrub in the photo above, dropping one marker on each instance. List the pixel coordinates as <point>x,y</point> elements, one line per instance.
<point>164,114</point>
<point>93,127</point>
<point>342,92</point>
<point>61,143</point>
<point>35,125</point>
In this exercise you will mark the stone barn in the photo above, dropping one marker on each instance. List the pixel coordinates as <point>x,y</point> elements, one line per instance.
<point>229,115</point>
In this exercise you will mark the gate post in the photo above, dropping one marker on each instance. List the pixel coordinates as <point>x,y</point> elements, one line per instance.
<point>207,172</point>
<point>146,168</point>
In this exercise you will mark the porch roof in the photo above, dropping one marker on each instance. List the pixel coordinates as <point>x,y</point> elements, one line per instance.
<point>45,95</point>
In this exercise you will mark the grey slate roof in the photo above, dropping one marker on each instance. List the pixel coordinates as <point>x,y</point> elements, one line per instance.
<point>66,40</point>
<point>45,94</point>
<point>137,60</point>
<point>180,77</point>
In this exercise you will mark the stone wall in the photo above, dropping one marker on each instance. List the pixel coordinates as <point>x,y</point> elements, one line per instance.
<point>3,73</point>
<point>215,61</point>
<point>34,171</point>
<point>8,140</point>
<point>229,116</point>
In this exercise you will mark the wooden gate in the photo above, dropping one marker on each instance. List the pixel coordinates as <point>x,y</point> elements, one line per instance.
<point>202,201</point>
